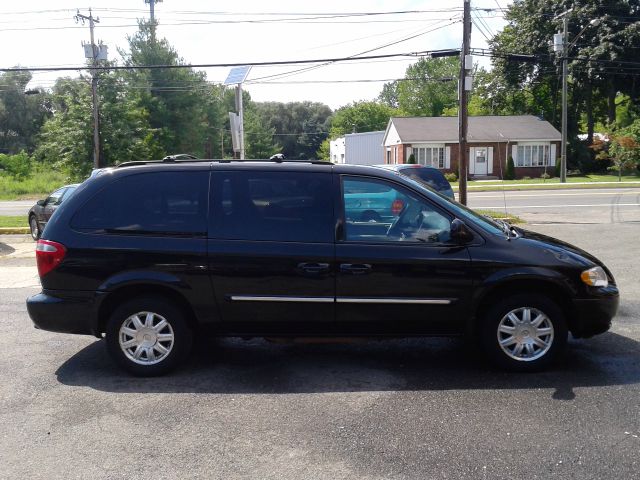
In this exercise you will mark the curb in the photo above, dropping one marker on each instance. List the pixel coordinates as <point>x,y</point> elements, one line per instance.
<point>13,230</point>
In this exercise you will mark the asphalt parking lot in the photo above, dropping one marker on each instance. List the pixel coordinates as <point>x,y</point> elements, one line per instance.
<point>396,409</point>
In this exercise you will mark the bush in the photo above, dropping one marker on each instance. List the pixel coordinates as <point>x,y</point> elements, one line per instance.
<point>526,178</point>
<point>558,167</point>
<point>545,176</point>
<point>412,159</point>
<point>510,174</point>
<point>17,166</point>
<point>451,177</point>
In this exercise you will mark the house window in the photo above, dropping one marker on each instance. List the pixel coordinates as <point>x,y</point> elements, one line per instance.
<point>430,156</point>
<point>532,156</point>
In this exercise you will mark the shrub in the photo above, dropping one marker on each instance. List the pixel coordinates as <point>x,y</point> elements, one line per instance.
<point>412,159</point>
<point>510,174</point>
<point>451,177</point>
<point>526,178</point>
<point>545,175</point>
<point>17,166</point>
<point>558,168</point>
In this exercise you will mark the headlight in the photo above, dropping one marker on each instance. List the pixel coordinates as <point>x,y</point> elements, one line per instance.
<point>595,277</point>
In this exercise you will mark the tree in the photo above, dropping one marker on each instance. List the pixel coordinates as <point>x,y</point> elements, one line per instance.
<point>258,138</point>
<point>66,139</point>
<point>176,99</point>
<point>429,87</point>
<point>361,117</point>
<point>21,115</point>
<point>622,149</point>
<point>300,127</point>
<point>596,78</point>
<point>324,152</point>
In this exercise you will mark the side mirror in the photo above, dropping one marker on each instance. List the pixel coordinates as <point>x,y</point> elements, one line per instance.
<point>460,233</point>
<point>41,202</point>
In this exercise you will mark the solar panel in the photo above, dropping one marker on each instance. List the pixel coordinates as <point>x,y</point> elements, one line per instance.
<point>237,75</point>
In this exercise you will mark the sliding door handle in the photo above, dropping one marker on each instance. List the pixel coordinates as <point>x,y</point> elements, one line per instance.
<point>355,268</point>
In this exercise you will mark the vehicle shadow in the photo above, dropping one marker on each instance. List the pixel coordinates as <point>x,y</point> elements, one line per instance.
<point>233,366</point>
<point>6,249</point>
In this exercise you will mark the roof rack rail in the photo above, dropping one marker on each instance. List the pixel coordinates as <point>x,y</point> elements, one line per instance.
<point>170,159</point>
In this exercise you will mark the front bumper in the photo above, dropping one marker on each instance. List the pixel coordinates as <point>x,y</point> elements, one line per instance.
<point>593,315</point>
<point>59,311</point>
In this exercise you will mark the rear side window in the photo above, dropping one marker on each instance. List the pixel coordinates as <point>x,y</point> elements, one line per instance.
<point>431,177</point>
<point>272,206</point>
<point>161,203</point>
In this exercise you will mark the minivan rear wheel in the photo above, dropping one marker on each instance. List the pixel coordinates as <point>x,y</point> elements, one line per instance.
<point>524,332</point>
<point>148,336</point>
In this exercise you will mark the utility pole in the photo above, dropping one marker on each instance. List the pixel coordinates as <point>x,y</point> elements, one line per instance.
<point>464,85</point>
<point>565,73</point>
<point>94,87</point>
<point>152,17</point>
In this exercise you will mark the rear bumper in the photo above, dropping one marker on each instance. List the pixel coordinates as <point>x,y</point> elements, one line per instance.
<point>58,311</point>
<point>593,316</point>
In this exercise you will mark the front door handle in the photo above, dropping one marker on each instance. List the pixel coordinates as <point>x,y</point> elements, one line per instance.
<point>313,267</point>
<point>355,268</point>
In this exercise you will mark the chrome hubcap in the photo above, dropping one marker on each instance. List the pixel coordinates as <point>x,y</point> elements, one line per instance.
<point>34,226</point>
<point>525,334</point>
<point>146,338</point>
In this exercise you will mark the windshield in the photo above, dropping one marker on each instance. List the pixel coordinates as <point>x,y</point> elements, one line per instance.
<point>465,213</point>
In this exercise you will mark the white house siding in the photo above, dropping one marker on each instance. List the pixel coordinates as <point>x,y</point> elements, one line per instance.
<point>364,148</point>
<point>337,150</point>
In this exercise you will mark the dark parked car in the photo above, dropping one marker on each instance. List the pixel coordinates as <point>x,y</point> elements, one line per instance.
<point>429,176</point>
<point>151,254</point>
<point>41,212</point>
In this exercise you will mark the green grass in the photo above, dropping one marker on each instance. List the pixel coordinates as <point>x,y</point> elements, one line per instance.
<point>509,217</point>
<point>38,185</point>
<point>11,221</point>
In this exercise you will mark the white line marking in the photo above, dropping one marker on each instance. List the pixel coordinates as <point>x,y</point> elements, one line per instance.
<point>509,195</point>
<point>512,207</point>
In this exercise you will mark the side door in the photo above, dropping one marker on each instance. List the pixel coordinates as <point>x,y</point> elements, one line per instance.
<point>271,250</point>
<point>51,203</point>
<point>401,275</point>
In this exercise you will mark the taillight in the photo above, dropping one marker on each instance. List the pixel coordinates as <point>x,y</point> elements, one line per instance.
<point>48,255</point>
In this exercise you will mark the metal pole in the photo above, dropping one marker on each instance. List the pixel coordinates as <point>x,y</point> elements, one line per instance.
<point>463,157</point>
<point>563,145</point>
<point>241,119</point>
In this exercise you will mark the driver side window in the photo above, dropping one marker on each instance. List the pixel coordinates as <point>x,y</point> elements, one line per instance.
<point>377,211</point>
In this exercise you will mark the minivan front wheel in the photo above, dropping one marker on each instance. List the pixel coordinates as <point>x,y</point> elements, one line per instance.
<point>148,336</point>
<point>34,228</point>
<point>524,332</point>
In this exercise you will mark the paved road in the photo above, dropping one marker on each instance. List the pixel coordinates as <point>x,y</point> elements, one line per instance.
<point>566,206</point>
<point>20,207</point>
<point>416,409</point>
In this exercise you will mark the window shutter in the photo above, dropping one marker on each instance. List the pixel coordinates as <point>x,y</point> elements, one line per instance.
<point>472,160</point>
<point>447,157</point>
<point>552,155</point>
<point>489,160</point>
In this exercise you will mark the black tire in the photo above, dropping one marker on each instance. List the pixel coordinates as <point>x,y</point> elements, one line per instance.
<point>149,340</point>
<point>528,347</point>
<point>34,228</point>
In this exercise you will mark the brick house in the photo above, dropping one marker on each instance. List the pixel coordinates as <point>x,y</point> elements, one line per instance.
<point>533,143</point>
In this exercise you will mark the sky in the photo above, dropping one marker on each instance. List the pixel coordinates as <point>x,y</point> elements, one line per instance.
<point>43,33</point>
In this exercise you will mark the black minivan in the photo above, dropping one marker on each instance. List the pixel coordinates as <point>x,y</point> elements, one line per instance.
<point>148,254</point>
